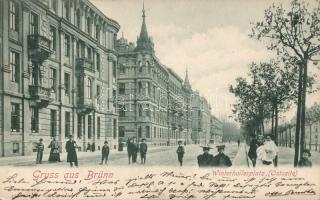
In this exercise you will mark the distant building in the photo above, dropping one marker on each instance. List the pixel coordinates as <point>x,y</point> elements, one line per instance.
<point>57,74</point>
<point>216,132</point>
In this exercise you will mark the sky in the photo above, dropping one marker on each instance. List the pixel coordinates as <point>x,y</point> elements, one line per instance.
<point>207,37</point>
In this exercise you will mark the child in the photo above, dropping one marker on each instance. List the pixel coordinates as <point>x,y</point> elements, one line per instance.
<point>105,152</point>
<point>40,148</point>
<point>305,162</point>
<point>143,151</point>
<point>180,152</point>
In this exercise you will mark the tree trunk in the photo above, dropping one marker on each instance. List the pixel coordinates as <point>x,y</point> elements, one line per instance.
<point>262,126</point>
<point>303,107</point>
<point>297,134</point>
<point>310,136</point>
<point>286,136</point>
<point>276,133</point>
<point>290,137</point>
<point>272,122</point>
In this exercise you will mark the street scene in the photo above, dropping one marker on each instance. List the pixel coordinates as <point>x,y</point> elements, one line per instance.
<point>165,83</point>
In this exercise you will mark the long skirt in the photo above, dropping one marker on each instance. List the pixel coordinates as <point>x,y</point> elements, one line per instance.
<point>54,155</point>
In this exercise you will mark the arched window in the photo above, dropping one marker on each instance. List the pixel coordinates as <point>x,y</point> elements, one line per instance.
<point>88,29</point>
<point>140,110</point>
<point>140,66</point>
<point>140,87</point>
<point>89,90</point>
<point>78,18</point>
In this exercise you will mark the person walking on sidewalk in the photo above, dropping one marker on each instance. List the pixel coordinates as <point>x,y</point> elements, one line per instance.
<point>238,142</point>
<point>143,151</point>
<point>205,159</point>
<point>252,153</point>
<point>180,151</point>
<point>71,147</point>
<point>105,153</point>
<point>130,149</point>
<point>135,149</point>
<point>40,148</point>
<point>221,160</point>
<point>54,152</point>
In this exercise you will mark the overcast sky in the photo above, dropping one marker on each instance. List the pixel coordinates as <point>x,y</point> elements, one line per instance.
<point>210,37</point>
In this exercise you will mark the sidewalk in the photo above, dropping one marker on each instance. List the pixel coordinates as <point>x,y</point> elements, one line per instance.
<point>241,158</point>
<point>31,159</point>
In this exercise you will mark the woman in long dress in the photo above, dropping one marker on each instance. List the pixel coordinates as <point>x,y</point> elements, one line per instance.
<point>54,152</point>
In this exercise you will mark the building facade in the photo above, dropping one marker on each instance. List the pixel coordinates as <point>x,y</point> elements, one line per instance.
<point>153,101</point>
<point>215,130</point>
<point>58,74</point>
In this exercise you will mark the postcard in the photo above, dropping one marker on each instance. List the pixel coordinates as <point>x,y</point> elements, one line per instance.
<point>171,99</point>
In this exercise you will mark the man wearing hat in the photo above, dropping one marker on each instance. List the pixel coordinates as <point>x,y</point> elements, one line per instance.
<point>221,160</point>
<point>143,151</point>
<point>180,152</point>
<point>205,159</point>
<point>71,151</point>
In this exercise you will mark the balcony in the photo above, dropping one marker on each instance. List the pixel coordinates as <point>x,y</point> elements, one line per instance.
<point>85,105</point>
<point>40,94</point>
<point>39,48</point>
<point>85,64</point>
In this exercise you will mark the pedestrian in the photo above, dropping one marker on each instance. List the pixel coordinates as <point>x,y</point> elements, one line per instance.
<point>135,149</point>
<point>130,149</point>
<point>54,152</point>
<point>266,153</point>
<point>205,159</point>
<point>221,160</point>
<point>238,143</point>
<point>305,162</point>
<point>252,153</point>
<point>143,151</point>
<point>40,148</point>
<point>71,147</point>
<point>105,153</point>
<point>180,151</point>
<point>88,147</point>
<point>93,147</point>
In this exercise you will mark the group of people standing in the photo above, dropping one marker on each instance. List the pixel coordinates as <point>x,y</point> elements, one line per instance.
<point>133,147</point>
<point>54,155</point>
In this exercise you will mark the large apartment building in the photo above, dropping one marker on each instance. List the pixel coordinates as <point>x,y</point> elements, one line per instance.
<point>153,101</point>
<point>57,74</point>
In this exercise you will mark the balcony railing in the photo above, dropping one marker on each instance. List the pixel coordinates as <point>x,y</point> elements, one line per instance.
<point>39,47</point>
<point>85,64</point>
<point>85,105</point>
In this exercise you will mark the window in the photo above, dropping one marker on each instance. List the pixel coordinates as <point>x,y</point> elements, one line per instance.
<point>148,112</point>
<point>114,129</point>
<point>88,27</point>
<point>140,88</point>
<point>78,18</point>
<point>140,110</point>
<point>66,9</point>
<point>53,79</point>
<point>89,126</point>
<point>89,86</point>
<point>139,132</point>
<point>122,69</point>
<point>98,127</point>
<point>98,32</point>
<point>89,53</point>
<point>53,38</point>
<point>98,91</point>
<point>14,16</point>
<point>15,147</point>
<point>34,23</point>
<point>66,84</point>
<point>121,131</point>
<point>148,88</point>
<point>140,66</point>
<point>122,88</point>
<point>80,117</point>
<point>98,64</point>
<point>53,123</point>
<point>34,119</point>
<point>67,46</point>
<point>53,5</point>
<point>122,111</point>
<point>147,131</point>
<point>15,117</point>
<point>67,124</point>
<point>14,66</point>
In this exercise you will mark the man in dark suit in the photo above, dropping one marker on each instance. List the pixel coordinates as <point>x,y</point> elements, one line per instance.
<point>205,159</point>
<point>221,160</point>
<point>105,152</point>
<point>180,151</point>
<point>143,151</point>
<point>71,151</point>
